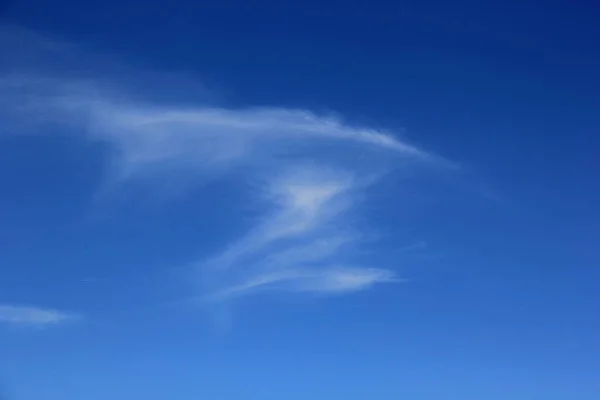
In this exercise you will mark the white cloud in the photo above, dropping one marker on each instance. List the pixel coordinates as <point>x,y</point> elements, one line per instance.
<point>32,316</point>
<point>328,280</point>
<point>308,196</point>
<point>148,137</point>
<point>312,171</point>
<point>344,279</point>
<point>300,244</point>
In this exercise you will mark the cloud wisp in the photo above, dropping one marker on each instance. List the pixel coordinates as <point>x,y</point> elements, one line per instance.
<point>303,243</point>
<point>32,316</point>
<point>151,137</point>
<point>312,172</point>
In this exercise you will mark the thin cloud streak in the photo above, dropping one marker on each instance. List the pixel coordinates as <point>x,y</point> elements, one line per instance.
<point>150,136</point>
<point>32,316</point>
<point>332,280</point>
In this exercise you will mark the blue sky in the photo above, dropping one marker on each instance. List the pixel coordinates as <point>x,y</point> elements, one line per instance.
<point>294,200</point>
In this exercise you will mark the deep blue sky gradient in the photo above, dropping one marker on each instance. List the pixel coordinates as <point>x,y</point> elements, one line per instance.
<point>504,303</point>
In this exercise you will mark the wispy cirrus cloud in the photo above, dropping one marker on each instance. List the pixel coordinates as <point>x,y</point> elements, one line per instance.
<point>149,137</point>
<point>309,171</point>
<point>32,316</point>
<point>302,243</point>
<point>330,280</point>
